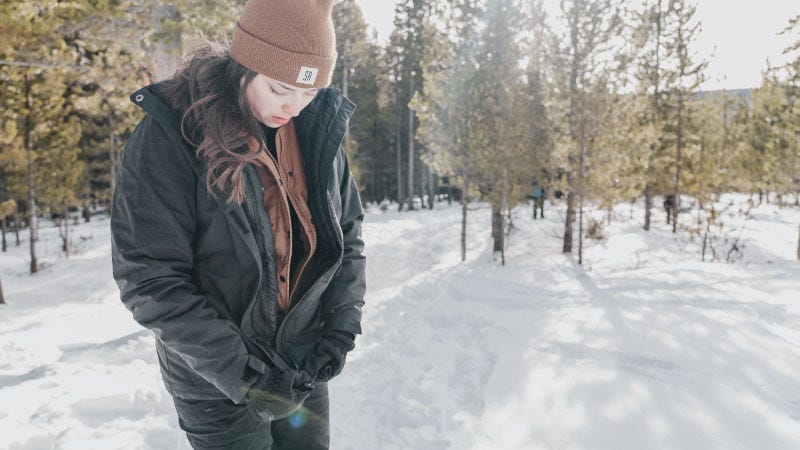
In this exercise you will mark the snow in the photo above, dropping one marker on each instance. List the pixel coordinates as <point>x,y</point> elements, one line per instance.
<point>644,346</point>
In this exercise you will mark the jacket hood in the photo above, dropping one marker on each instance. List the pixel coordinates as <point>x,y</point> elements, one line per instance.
<point>330,109</point>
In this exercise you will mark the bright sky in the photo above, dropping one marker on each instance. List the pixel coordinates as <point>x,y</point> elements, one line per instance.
<point>744,33</point>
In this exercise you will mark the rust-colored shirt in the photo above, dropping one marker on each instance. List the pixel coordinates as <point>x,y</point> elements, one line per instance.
<point>286,199</point>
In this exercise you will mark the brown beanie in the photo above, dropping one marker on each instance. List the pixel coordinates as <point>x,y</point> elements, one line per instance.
<point>292,41</point>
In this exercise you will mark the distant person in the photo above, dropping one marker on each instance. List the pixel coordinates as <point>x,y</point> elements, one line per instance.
<point>669,206</point>
<point>538,196</point>
<point>236,229</point>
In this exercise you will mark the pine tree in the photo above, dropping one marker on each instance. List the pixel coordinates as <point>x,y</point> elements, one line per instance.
<point>718,161</point>
<point>668,74</point>
<point>367,139</point>
<point>497,123</point>
<point>405,52</point>
<point>447,110</point>
<point>174,27</point>
<point>40,63</point>
<point>60,171</point>
<point>538,135</point>
<point>616,172</point>
<point>590,28</point>
<point>652,32</point>
<point>765,132</point>
<point>792,131</point>
<point>12,161</point>
<point>29,51</point>
<point>105,112</point>
<point>687,80</point>
<point>7,208</point>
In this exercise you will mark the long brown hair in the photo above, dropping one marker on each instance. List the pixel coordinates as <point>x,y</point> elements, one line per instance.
<point>216,117</point>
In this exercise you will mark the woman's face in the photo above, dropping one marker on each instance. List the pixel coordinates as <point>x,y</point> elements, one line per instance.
<point>273,103</point>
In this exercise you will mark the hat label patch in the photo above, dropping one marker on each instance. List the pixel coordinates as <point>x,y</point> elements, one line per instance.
<point>307,75</point>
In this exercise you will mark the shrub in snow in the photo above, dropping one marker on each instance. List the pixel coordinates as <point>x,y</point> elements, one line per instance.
<point>594,229</point>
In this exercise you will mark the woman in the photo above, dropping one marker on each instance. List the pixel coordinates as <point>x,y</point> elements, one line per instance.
<point>236,231</point>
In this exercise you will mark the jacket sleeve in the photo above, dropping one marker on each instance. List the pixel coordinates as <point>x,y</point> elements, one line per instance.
<point>343,299</point>
<point>152,230</point>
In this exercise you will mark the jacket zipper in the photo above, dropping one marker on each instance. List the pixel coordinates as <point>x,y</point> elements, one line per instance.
<point>325,276</point>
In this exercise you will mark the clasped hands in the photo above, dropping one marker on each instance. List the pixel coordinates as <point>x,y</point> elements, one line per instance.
<point>279,392</point>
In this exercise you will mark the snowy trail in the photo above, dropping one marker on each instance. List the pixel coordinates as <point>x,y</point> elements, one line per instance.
<point>642,347</point>
<point>414,349</point>
<point>649,348</point>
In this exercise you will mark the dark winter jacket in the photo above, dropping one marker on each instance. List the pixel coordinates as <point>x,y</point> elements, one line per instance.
<point>198,271</point>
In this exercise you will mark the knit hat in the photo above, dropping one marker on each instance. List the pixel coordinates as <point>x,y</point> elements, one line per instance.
<point>291,41</point>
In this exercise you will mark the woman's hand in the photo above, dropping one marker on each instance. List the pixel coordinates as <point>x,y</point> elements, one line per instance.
<point>279,392</point>
<point>328,358</point>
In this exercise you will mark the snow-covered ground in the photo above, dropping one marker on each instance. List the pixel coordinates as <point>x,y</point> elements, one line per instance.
<point>642,347</point>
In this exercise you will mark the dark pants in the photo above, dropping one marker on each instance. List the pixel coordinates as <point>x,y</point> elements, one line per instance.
<point>222,424</point>
<point>538,203</point>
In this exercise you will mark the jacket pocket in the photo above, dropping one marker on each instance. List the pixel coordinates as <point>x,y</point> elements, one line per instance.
<point>214,420</point>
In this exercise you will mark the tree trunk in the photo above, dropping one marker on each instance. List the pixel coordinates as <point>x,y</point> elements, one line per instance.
<point>431,189</point>
<point>464,218</point>
<point>655,116</point>
<point>707,242</point>
<point>633,203</point>
<point>502,229</point>
<point>504,186</point>
<point>703,250</point>
<point>31,174</point>
<point>2,299</point>
<point>648,205</point>
<point>581,162</point>
<point>65,237</point>
<point>497,227</point>
<point>400,198</point>
<point>449,191</point>
<point>677,203</point>
<point>422,187</point>
<point>16,230</point>
<point>464,179</point>
<point>410,192</point>
<point>509,218</point>
<point>573,133</point>
<point>570,220</point>
<point>378,189</point>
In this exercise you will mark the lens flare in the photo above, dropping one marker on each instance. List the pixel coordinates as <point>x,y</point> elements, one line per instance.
<point>299,418</point>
